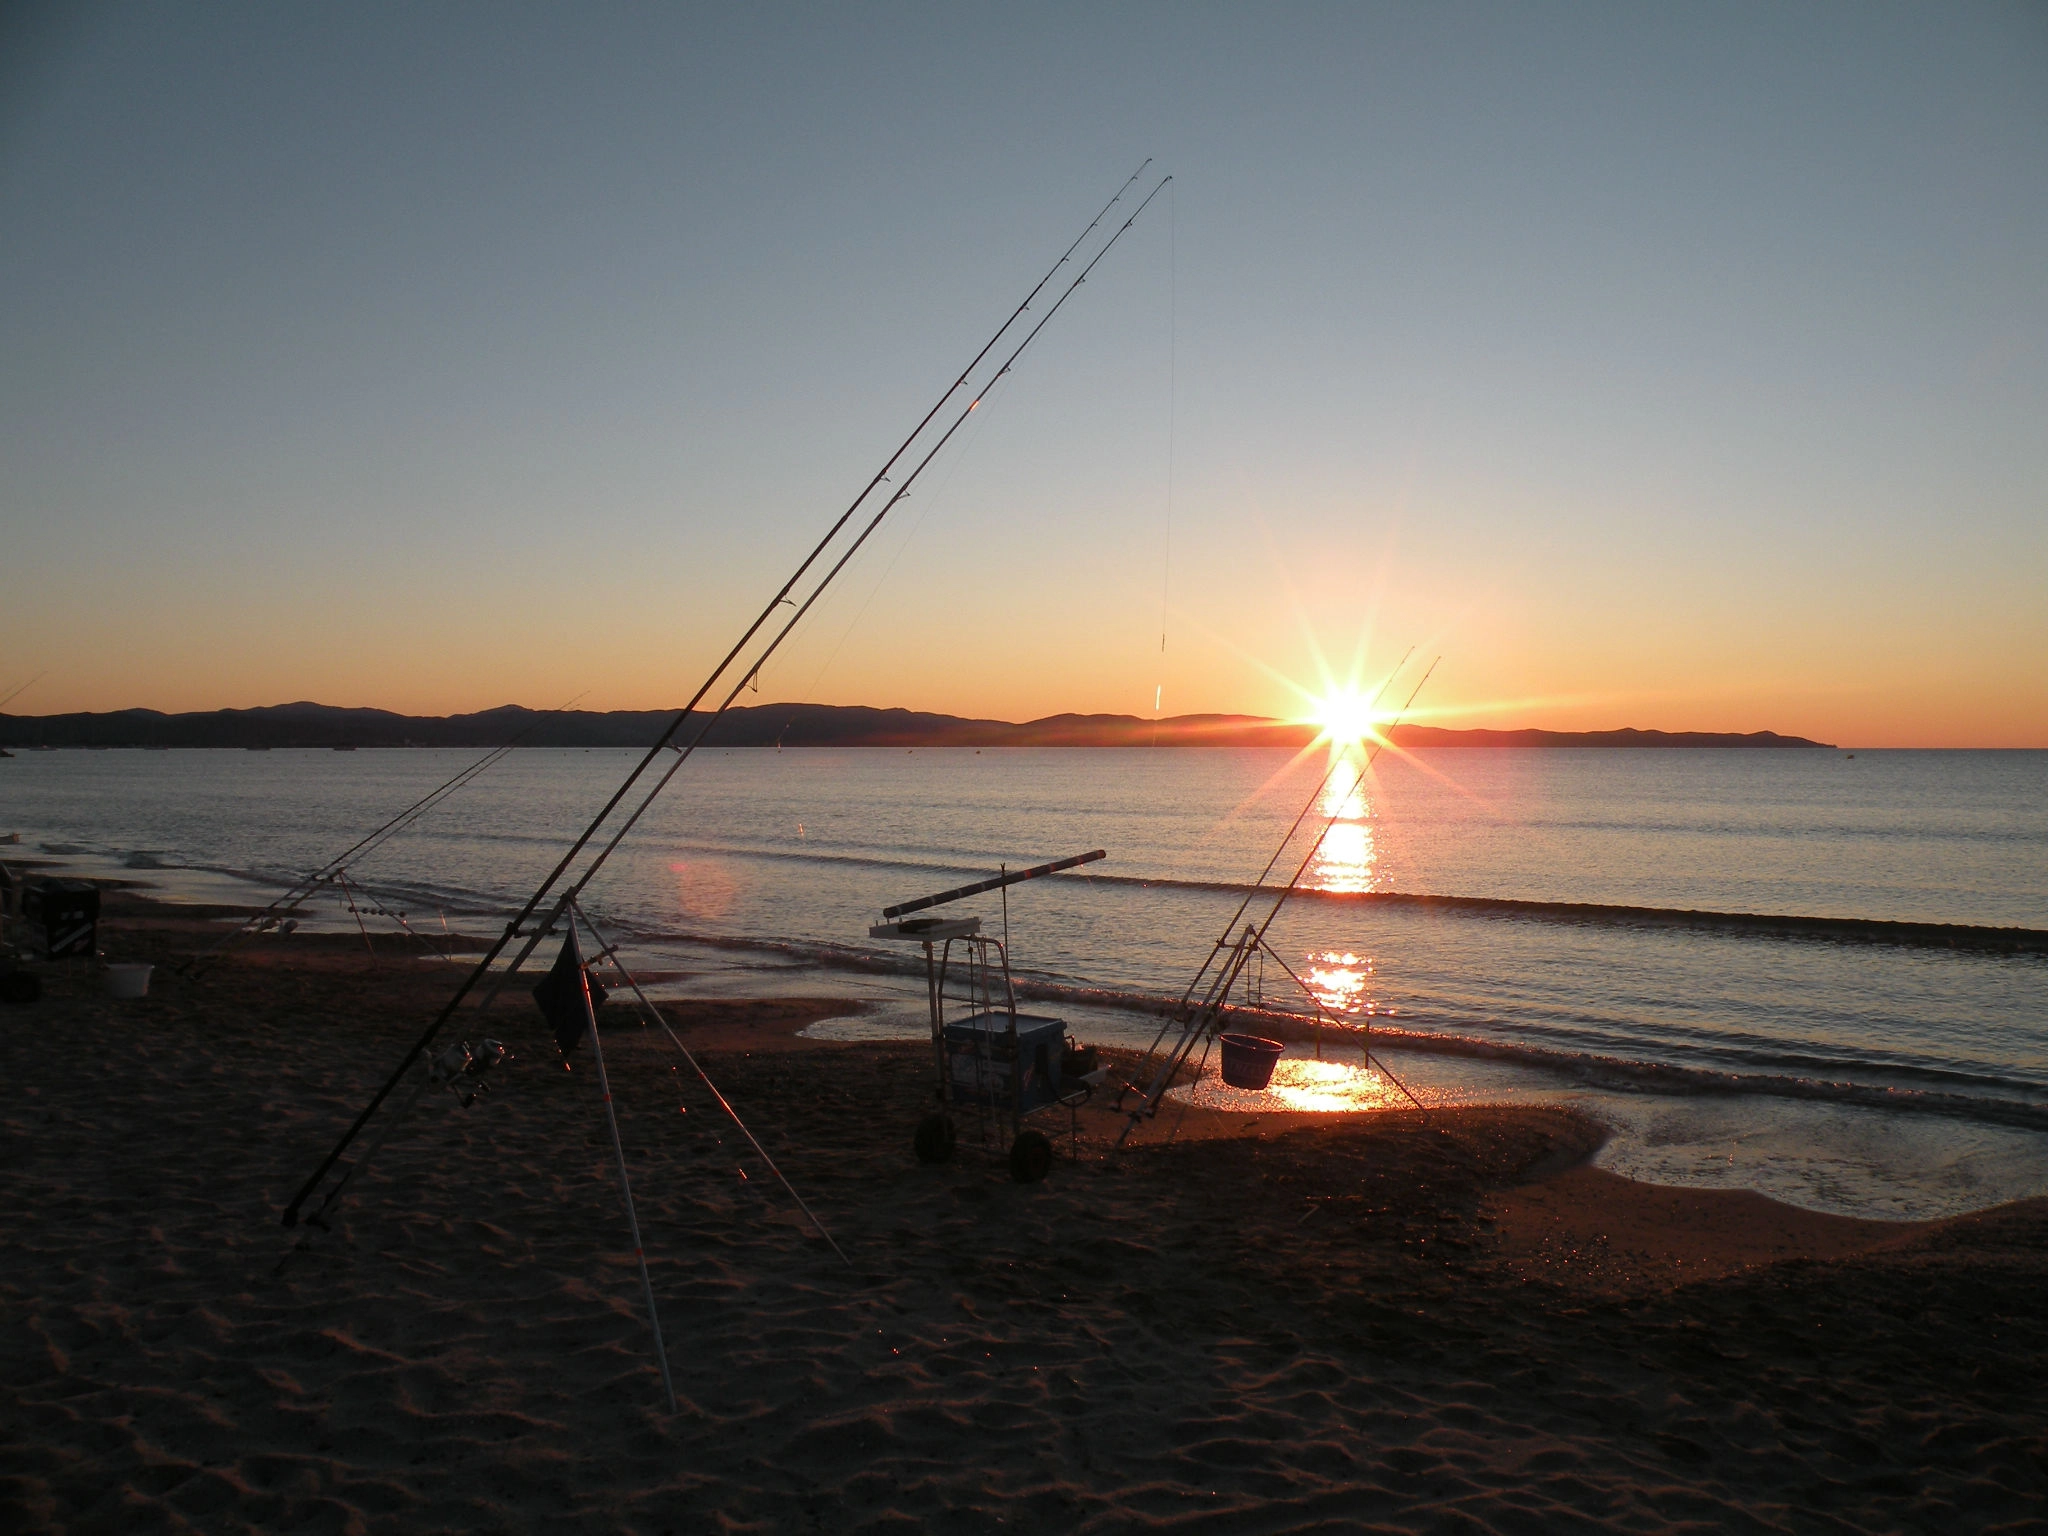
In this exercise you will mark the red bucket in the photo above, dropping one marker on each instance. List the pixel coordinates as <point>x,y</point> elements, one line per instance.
<point>1248,1060</point>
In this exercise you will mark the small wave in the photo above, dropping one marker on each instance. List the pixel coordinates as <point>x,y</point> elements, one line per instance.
<point>1869,831</point>
<point>412,894</point>
<point>1981,938</point>
<point>1629,1075</point>
<point>954,869</point>
<point>1862,930</point>
<point>844,956</point>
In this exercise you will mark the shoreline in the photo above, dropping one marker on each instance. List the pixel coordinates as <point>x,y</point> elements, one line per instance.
<point>1269,1323</point>
<point>140,910</point>
<point>1992,1126</point>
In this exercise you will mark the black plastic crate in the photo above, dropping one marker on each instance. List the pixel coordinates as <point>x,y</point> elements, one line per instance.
<point>67,914</point>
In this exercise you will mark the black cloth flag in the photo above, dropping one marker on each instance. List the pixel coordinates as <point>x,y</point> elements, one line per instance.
<point>560,995</point>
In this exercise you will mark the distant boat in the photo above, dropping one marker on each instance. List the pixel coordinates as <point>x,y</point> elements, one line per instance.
<point>5,753</point>
<point>255,749</point>
<point>344,749</point>
<point>156,749</point>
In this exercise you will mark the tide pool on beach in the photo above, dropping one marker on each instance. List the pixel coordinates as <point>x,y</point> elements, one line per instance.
<point>1855,1072</point>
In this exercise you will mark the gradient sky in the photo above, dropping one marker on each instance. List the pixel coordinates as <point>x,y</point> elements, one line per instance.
<point>1671,366</point>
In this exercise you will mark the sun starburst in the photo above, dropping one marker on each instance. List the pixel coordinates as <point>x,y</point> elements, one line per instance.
<point>1347,716</point>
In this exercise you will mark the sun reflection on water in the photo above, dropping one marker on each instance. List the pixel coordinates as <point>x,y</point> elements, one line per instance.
<point>705,888</point>
<point>1339,979</point>
<point>1349,857</point>
<point>1344,795</point>
<point>1300,1086</point>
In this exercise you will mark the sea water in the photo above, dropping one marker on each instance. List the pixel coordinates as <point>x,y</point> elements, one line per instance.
<point>1843,1072</point>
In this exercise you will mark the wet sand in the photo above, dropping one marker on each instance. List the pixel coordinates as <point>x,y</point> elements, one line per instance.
<point>1265,1325</point>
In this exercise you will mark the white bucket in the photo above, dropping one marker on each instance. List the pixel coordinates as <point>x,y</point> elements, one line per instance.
<point>128,981</point>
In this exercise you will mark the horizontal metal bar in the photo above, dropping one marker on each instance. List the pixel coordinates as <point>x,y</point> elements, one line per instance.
<point>993,885</point>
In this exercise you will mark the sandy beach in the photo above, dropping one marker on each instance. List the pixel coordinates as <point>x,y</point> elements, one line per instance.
<point>1266,1324</point>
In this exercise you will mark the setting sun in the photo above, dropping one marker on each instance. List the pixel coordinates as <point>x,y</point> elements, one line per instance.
<point>1346,716</point>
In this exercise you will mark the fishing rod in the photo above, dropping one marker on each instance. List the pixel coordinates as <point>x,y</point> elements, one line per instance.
<point>1257,936</point>
<point>575,890</point>
<point>24,687</point>
<point>514,927</point>
<point>1323,836</point>
<point>368,844</point>
<point>902,491</point>
<point>1252,892</point>
<point>1186,1010</point>
<point>572,892</point>
<point>1253,939</point>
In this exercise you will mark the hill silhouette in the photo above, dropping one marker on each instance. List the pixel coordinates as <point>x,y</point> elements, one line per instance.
<point>306,724</point>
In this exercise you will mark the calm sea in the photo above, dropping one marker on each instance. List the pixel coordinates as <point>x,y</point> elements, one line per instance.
<point>1838,1069</point>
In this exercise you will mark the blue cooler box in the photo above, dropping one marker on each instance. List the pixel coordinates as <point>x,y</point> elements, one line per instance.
<point>980,1066</point>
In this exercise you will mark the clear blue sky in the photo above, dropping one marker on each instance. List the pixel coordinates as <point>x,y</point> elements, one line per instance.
<point>1672,365</point>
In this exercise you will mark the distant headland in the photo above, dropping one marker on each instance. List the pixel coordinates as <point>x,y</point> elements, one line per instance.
<point>764,725</point>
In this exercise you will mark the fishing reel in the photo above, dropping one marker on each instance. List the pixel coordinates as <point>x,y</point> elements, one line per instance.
<point>463,1071</point>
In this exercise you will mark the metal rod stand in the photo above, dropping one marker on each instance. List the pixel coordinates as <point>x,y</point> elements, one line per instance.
<point>648,1010</point>
<point>625,1183</point>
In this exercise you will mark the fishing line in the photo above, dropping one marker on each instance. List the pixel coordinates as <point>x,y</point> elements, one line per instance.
<point>348,898</point>
<point>935,499</point>
<point>381,904</point>
<point>967,446</point>
<point>1172,401</point>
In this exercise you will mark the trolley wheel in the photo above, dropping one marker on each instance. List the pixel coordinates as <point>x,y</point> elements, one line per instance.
<point>934,1139</point>
<point>1030,1157</point>
<point>20,988</point>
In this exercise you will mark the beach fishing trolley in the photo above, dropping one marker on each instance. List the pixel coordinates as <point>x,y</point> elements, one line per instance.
<point>993,1065</point>
<point>43,918</point>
